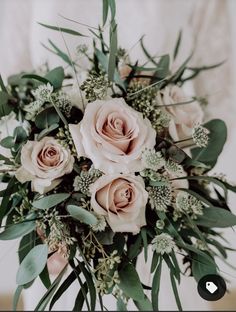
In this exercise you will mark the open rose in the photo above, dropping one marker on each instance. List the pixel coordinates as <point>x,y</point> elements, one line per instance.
<point>122,199</point>
<point>184,117</point>
<point>113,135</point>
<point>43,163</point>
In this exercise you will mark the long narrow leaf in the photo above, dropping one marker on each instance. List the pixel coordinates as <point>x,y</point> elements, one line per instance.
<point>156,286</point>
<point>41,306</point>
<point>175,290</point>
<point>61,29</point>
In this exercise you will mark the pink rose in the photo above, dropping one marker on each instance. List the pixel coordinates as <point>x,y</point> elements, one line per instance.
<point>43,163</point>
<point>184,117</point>
<point>113,135</point>
<point>122,199</point>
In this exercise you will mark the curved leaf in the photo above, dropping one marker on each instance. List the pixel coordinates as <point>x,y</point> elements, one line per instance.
<point>32,265</point>
<point>17,230</point>
<point>82,214</point>
<point>50,201</point>
<point>217,139</point>
<point>216,217</point>
<point>61,29</point>
<point>130,283</point>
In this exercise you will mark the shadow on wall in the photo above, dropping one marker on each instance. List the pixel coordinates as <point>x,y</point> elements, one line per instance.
<point>6,303</point>
<point>227,303</point>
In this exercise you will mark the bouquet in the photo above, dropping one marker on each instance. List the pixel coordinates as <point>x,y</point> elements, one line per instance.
<point>103,166</point>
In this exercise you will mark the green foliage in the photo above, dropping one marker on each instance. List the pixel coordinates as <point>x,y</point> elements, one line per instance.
<point>56,77</point>
<point>103,60</point>
<point>44,276</point>
<point>16,297</point>
<point>216,217</point>
<point>8,142</point>
<point>113,51</point>
<point>156,285</point>
<point>130,283</point>
<point>90,284</point>
<point>105,11</point>
<point>17,230</point>
<point>64,30</point>
<point>47,118</point>
<point>47,130</point>
<point>144,304</point>
<point>177,46</point>
<point>32,265</point>
<point>33,76</point>
<point>5,107</point>
<point>41,306</point>
<point>175,290</point>
<point>145,243</point>
<point>26,244</point>
<point>201,267</point>
<point>63,287</point>
<point>50,201</point>
<point>217,139</point>
<point>2,86</point>
<point>82,214</point>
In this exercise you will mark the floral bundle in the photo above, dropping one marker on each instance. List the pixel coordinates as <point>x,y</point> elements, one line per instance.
<point>104,166</point>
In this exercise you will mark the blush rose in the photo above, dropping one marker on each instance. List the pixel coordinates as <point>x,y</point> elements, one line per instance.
<point>113,136</point>
<point>43,163</point>
<point>122,199</point>
<point>184,117</point>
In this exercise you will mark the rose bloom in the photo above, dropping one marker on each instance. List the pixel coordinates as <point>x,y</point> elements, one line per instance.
<point>184,117</point>
<point>113,136</point>
<point>122,199</point>
<point>43,163</point>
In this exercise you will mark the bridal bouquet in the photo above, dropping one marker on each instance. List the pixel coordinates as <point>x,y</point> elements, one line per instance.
<point>105,166</point>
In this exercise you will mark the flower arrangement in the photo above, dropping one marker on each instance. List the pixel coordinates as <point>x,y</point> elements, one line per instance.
<point>107,168</point>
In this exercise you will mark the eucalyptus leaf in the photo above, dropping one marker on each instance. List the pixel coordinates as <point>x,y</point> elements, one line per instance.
<point>143,304</point>
<point>82,214</point>
<point>175,290</point>
<point>46,118</point>
<point>32,265</point>
<point>63,287</point>
<point>113,51</point>
<point>50,201</point>
<point>46,131</point>
<point>162,69</point>
<point>200,267</point>
<point>217,139</point>
<point>105,11</point>
<point>20,134</point>
<point>112,4</point>
<point>56,77</point>
<point>8,142</point>
<point>130,283</point>
<point>121,306</point>
<point>64,30</point>
<point>145,243</point>
<point>216,217</point>
<point>5,108</point>
<point>79,301</point>
<point>17,297</point>
<point>2,85</point>
<point>90,283</point>
<point>177,46</point>
<point>26,244</point>
<point>17,230</point>
<point>103,60</point>
<point>36,77</point>
<point>156,285</point>
<point>41,306</point>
